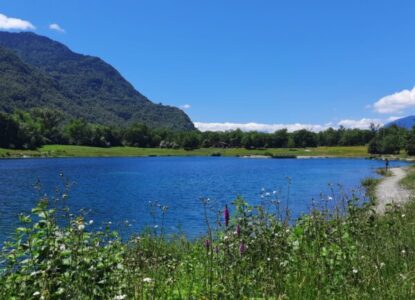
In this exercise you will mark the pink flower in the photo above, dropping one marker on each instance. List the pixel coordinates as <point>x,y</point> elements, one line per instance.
<point>226,216</point>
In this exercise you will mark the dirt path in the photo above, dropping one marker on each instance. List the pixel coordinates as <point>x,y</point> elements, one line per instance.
<point>390,191</point>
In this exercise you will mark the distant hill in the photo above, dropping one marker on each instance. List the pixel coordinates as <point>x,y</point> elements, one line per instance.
<point>407,122</point>
<point>36,71</point>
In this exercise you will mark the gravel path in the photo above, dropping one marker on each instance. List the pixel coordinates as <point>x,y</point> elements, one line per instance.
<point>390,191</point>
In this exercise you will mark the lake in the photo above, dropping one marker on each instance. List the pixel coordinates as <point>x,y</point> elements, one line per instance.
<point>119,189</point>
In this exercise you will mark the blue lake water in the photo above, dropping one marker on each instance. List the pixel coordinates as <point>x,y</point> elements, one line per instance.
<point>119,189</point>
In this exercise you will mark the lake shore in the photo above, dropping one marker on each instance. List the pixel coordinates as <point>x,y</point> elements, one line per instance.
<point>85,151</point>
<point>390,190</point>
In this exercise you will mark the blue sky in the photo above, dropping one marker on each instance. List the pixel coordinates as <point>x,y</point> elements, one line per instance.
<point>323,63</point>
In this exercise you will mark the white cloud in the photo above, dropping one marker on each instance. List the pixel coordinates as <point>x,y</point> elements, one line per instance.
<point>56,27</point>
<point>257,126</point>
<point>393,118</point>
<point>7,23</point>
<point>396,103</point>
<point>362,123</point>
<point>185,106</point>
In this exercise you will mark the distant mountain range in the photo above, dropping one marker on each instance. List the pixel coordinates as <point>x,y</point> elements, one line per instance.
<point>36,71</point>
<point>406,122</point>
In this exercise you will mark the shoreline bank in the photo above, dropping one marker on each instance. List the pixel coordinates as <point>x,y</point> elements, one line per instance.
<point>277,153</point>
<point>389,190</point>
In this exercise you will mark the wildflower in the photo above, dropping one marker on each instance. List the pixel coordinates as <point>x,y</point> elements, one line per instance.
<point>268,259</point>
<point>355,270</point>
<point>225,238</point>
<point>267,194</point>
<point>147,280</point>
<point>35,273</point>
<point>242,248</point>
<point>120,297</point>
<point>403,216</point>
<point>329,198</point>
<point>274,192</point>
<point>59,234</point>
<point>217,249</point>
<point>382,264</point>
<point>238,230</point>
<point>91,222</point>
<point>207,245</point>
<point>226,216</point>
<point>403,252</point>
<point>62,247</point>
<point>37,293</point>
<point>81,227</point>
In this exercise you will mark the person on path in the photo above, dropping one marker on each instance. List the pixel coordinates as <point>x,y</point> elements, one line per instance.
<point>386,164</point>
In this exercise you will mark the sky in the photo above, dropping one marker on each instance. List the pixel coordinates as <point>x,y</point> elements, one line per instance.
<point>259,65</point>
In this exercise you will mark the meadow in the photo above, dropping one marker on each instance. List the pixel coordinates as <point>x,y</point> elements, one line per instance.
<point>86,151</point>
<point>249,252</point>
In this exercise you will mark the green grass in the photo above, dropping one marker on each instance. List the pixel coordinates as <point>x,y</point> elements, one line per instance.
<point>259,255</point>
<point>84,151</point>
<point>370,185</point>
<point>409,181</point>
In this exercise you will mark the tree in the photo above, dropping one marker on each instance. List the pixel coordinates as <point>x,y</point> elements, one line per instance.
<point>138,135</point>
<point>374,147</point>
<point>79,132</point>
<point>9,132</point>
<point>50,122</point>
<point>279,139</point>
<point>191,141</point>
<point>410,142</point>
<point>304,138</point>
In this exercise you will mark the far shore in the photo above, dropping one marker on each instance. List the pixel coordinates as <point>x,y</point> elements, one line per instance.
<point>278,153</point>
<point>66,151</point>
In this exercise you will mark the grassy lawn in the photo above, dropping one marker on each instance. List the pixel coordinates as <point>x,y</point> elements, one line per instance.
<point>409,181</point>
<point>84,151</point>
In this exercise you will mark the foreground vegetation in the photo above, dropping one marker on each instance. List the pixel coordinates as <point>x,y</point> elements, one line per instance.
<point>86,151</point>
<point>250,252</point>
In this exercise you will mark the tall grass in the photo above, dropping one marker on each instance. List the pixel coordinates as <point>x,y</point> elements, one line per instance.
<point>252,253</point>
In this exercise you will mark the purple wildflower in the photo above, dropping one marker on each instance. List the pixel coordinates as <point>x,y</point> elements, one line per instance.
<point>238,230</point>
<point>207,245</point>
<point>242,248</point>
<point>217,249</point>
<point>226,216</point>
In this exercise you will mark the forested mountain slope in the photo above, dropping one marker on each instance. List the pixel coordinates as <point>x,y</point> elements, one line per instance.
<point>36,71</point>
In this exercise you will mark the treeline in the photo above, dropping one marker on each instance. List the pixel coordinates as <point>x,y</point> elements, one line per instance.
<point>392,140</point>
<point>29,130</point>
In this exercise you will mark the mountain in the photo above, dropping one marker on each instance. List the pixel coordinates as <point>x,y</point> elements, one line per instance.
<point>36,71</point>
<point>406,122</point>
